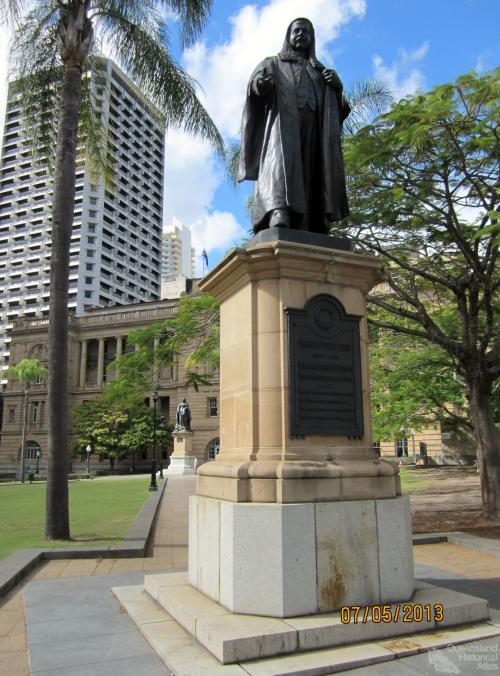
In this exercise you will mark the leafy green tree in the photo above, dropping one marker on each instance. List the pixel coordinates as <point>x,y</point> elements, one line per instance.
<point>54,47</point>
<point>413,384</point>
<point>191,335</point>
<point>116,430</point>
<point>27,372</point>
<point>139,434</point>
<point>423,187</point>
<point>97,424</point>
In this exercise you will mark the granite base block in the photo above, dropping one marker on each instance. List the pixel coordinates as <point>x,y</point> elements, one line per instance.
<point>283,560</point>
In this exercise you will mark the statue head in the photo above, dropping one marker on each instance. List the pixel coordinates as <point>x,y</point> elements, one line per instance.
<point>299,38</point>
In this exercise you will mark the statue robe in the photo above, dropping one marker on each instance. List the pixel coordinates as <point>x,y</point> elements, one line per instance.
<point>271,152</point>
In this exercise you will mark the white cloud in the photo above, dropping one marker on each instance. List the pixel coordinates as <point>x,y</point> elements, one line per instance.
<point>218,230</point>
<point>191,180</point>
<point>484,60</point>
<point>402,77</point>
<point>223,70</point>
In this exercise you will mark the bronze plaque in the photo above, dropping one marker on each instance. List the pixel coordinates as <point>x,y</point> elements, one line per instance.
<point>324,370</point>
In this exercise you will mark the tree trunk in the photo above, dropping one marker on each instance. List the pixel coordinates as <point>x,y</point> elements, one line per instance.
<point>487,445</point>
<point>57,509</point>
<point>23,436</point>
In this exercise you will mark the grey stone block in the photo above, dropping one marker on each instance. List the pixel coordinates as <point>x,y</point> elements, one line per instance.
<point>77,629</point>
<point>99,650</point>
<point>143,665</point>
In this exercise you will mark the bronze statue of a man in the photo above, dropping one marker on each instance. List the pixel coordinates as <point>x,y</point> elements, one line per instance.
<point>183,417</point>
<point>290,138</point>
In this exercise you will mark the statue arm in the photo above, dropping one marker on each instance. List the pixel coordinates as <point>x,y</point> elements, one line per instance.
<point>262,81</point>
<point>332,78</point>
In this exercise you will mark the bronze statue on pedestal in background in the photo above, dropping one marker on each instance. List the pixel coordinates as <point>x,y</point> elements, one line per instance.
<point>183,417</point>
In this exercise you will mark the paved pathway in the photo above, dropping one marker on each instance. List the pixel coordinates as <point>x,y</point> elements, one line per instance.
<point>64,630</point>
<point>75,627</point>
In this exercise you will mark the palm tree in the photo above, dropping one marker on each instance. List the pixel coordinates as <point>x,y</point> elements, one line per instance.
<point>27,371</point>
<point>54,49</point>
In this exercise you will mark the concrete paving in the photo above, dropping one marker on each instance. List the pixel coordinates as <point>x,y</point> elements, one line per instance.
<point>65,621</point>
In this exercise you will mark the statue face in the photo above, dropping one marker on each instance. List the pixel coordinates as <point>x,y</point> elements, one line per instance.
<point>300,35</point>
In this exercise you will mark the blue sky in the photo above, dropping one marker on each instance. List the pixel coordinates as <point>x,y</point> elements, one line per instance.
<point>410,44</point>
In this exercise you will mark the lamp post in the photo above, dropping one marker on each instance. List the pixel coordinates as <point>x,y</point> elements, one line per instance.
<point>153,485</point>
<point>88,451</point>
<point>403,438</point>
<point>412,434</point>
<point>161,425</point>
<point>38,454</point>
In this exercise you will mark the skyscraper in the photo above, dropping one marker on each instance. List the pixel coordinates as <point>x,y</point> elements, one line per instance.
<point>177,260</point>
<point>117,230</point>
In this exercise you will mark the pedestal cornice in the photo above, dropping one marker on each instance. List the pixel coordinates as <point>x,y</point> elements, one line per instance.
<point>278,260</point>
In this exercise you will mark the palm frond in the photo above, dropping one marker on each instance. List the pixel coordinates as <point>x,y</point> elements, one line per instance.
<point>193,15</point>
<point>232,161</point>
<point>11,11</point>
<point>143,52</point>
<point>367,98</point>
<point>37,75</point>
<point>93,134</point>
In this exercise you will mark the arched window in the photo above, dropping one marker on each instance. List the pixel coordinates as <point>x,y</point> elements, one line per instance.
<point>31,450</point>
<point>38,352</point>
<point>35,412</point>
<point>213,448</point>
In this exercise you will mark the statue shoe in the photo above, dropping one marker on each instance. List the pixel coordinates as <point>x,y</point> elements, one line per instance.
<point>280,218</point>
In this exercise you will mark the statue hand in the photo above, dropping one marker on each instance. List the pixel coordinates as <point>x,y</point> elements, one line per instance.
<point>264,83</point>
<point>332,79</point>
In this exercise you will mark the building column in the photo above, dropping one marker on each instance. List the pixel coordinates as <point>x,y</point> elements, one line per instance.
<point>100,363</point>
<point>83,363</point>
<point>119,346</point>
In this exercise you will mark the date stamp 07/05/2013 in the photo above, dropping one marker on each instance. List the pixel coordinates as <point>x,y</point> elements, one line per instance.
<point>405,612</point>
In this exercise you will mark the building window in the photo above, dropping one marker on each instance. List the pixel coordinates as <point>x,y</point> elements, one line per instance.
<point>12,415</point>
<point>212,407</point>
<point>89,280</point>
<point>213,449</point>
<point>35,412</point>
<point>33,450</point>
<point>88,294</point>
<point>89,266</point>
<point>401,447</point>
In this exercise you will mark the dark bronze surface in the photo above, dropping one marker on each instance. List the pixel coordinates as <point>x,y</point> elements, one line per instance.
<point>299,237</point>
<point>291,138</point>
<point>324,370</point>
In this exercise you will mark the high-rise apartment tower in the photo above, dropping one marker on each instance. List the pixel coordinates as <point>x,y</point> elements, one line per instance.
<point>117,230</point>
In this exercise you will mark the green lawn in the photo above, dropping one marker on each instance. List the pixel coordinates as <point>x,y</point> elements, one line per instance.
<point>412,480</point>
<point>101,512</point>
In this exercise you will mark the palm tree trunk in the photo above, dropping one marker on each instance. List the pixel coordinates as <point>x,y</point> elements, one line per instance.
<point>57,508</point>
<point>23,436</point>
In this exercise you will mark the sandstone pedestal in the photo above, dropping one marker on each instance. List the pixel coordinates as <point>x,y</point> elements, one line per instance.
<point>297,514</point>
<point>182,460</point>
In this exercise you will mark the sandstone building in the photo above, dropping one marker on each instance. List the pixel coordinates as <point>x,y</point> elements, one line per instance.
<point>94,340</point>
